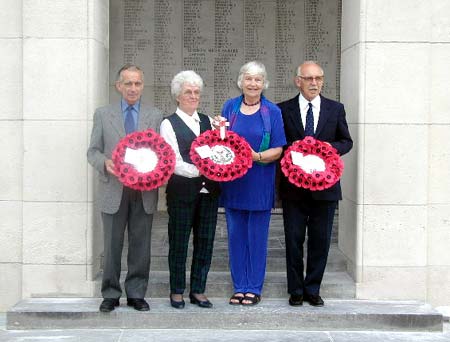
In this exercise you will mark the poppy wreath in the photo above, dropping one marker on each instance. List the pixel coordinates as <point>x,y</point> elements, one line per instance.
<point>230,158</point>
<point>127,173</point>
<point>312,179</point>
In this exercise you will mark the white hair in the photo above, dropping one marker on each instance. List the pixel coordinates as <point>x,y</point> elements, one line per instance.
<point>186,76</point>
<point>299,69</point>
<point>253,68</point>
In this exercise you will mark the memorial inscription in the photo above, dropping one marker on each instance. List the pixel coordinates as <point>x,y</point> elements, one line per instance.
<point>215,37</point>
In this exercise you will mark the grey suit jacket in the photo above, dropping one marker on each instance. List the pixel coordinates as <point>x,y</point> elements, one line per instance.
<point>107,130</point>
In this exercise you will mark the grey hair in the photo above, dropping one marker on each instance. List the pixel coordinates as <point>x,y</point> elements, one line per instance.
<point>253,68</point>
<point>186,76</point>
<point>308,63</point>
<point>130,67</point>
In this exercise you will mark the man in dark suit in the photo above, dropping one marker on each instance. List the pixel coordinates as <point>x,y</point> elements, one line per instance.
<point>121,206</point>
<point>310,114</point>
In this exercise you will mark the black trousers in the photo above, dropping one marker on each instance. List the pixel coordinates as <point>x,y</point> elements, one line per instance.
<point>316,219</point>
<point>131,214</point>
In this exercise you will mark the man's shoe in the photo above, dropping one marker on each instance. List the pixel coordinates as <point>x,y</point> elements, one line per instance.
<point>314,300</point>
<point>201,303</point>
<point>138,304</point>
<point>109,304</point>
<point>177,304</point>
<point>296,300</point>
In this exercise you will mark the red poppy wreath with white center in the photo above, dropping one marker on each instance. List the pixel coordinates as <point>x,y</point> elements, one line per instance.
<point>221,160</point>
<point>143,160</point>
<point>312,164</point>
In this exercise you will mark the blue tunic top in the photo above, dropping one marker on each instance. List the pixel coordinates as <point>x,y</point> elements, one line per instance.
<point>255,190</point>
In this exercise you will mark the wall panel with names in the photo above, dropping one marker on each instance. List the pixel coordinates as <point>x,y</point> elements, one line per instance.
<point>215,37</point>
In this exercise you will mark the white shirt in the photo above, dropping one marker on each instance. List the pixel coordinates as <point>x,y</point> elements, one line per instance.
<point>303,105</point>
<point>166,131</point>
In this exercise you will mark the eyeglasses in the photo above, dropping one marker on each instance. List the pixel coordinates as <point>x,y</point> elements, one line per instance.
<point>310,79</point>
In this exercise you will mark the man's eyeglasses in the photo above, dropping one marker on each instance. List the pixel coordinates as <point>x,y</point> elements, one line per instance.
<point>310,79</point>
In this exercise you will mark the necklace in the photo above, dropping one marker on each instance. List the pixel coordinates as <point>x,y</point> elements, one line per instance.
<point>251,104</point>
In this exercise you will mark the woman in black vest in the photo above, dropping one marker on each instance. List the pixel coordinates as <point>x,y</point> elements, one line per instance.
<point>192,200</point>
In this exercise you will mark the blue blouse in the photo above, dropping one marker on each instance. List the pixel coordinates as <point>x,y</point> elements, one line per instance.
<point>256,189</point>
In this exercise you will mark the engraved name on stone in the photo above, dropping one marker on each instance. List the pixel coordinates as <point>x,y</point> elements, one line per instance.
<point>215,37</point>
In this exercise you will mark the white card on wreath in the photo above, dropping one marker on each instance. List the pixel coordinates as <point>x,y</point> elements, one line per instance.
<point>204,151</point>
<point>309,163</point>
<point>144,159</point>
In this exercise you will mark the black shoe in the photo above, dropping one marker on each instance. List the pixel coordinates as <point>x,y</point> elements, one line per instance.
<point>109,304</point>
<point>177,304</point>
<point>201,303</point>
<point>314,300</point>
<point>138,304</point>
<point>296,300</point>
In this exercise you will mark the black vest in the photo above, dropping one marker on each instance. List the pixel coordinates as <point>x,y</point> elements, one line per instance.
<point>185,187</point>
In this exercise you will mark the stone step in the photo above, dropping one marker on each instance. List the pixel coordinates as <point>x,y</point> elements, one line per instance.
<point>276,229</point>
<point>275,257</point>
<point>276,260</point>
<point>270,314</point>
<point>335,285</point>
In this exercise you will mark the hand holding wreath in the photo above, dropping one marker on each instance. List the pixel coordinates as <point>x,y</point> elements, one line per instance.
<point>220,159</point>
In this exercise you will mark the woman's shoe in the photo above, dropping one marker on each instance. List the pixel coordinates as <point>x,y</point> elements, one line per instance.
<point>252,298</point>
<point>201,303</point>
<point>235,299</point>
<point>177,304</point>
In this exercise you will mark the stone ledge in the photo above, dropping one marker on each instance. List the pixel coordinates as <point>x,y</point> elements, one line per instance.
<point>270,314</point>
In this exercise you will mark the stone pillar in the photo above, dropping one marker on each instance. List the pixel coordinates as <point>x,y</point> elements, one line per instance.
<point>438,75</point>
<point>11,140</point>
<point>65,76</point>
<point>395,218</point>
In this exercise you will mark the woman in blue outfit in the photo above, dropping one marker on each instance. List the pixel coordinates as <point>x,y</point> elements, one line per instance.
<point>248,200</point>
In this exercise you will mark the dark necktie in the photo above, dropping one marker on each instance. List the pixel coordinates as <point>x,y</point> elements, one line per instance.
<point>309,126</point>
<point>129,121</point>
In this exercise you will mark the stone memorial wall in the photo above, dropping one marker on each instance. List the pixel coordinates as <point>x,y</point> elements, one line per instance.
<point>215,37</point>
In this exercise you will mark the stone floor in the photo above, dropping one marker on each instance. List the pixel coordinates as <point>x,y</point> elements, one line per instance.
<point>137,335</point>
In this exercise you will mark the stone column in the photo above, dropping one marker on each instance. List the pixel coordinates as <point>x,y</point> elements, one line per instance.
<point>11,140</point>
<point>65,76</point>
<point>395,218</point>
<point>438,76</point>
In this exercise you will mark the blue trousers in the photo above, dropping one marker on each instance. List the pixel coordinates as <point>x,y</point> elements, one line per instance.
<point>248,232</point>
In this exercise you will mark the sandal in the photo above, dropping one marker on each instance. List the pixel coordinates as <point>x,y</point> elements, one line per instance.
<point>252,298</point>
<point>235,299</point>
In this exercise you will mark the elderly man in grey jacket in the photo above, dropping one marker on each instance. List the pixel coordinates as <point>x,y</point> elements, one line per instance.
<point>120,206</point>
